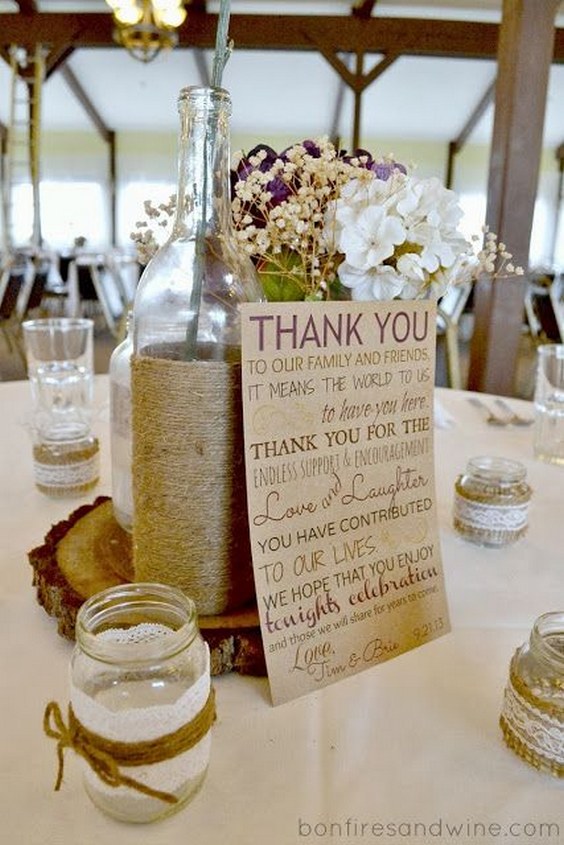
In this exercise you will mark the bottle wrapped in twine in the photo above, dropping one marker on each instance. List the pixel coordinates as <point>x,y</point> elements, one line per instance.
<point>191,529</point>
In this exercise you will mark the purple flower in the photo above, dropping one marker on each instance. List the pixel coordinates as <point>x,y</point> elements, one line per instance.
<point>245,168</point>
<point>384,169</point>
<point>279,191</point>
<point>311,148</point>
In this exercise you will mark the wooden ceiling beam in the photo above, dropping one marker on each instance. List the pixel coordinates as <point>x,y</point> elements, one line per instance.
<point>525,46</point>
<point>56,58</point>
<point>475,117</point>
<point>104,131</point>
<point>456,146</point>
<point>27,7</point>
<point>363,8</point>
<point>280,32</point>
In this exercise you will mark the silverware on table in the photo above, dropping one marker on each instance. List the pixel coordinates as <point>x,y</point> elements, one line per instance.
<point>510,417</point>
<point>491,418</point>
<point>514,418</point>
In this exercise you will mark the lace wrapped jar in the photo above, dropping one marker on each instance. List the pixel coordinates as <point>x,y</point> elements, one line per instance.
<point>142,701</point>
<point>532,717</point>
<point>491,501</point>
<point>66,467</point>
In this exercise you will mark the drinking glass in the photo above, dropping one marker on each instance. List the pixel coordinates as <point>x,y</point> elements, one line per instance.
<point>549,404</point>
<point>59,353</point>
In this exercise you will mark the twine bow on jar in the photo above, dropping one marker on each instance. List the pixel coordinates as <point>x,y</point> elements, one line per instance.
<point>105,757</point>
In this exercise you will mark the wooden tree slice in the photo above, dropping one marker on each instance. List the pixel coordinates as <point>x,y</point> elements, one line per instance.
<point>89,552</point>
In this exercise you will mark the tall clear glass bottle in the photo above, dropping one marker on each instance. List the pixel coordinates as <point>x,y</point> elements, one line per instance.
<point>191,526</point>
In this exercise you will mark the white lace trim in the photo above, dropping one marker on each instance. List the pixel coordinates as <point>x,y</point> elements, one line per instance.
<point>146,723</point>
<point>540,732</point>
<point>491,517</point>
<point>138,724</point>
<point>74,473</point>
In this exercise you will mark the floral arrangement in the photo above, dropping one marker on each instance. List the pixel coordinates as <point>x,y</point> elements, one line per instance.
<point>319,223</point>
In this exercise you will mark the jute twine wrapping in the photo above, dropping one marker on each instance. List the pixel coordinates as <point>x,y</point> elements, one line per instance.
<point>106,757</point>
<point>190,527</point>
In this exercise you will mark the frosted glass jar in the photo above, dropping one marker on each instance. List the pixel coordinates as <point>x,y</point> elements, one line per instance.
<point>140,674</point>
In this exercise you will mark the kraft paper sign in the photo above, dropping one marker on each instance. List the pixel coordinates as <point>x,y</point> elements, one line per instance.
<point>338,416</point>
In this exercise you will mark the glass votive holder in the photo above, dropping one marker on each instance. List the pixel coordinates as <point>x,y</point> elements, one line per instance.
<point>141,702</point>
<point>532,717</point>
<point>66,467</point>
<point>59,358</point>
<point>491,501</point>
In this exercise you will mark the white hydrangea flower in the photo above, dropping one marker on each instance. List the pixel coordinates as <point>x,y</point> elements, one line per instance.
<point>405,226</point>
<point>381,282</point>
<point>371,238</point>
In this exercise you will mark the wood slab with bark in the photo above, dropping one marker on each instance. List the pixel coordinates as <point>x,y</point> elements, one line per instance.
<point>89,552</point>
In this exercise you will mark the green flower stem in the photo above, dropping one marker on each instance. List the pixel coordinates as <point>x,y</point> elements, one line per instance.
<point>222,46</point>
<point>220,59</point>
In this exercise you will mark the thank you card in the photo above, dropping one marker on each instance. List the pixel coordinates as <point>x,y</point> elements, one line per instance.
<point>338,417</point>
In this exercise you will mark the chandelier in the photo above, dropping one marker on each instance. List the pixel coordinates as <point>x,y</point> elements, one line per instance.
<point>145,27</point>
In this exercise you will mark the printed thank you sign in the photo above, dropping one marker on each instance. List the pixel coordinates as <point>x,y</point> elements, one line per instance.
<point>338,416</point>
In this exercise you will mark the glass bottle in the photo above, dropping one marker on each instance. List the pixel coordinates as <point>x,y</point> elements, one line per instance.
<point>491,501</point>
<point>120,422</point>
<point>532,718</point>
<point>187,302</point>
<point>191,527</point>
<point>140,672</point>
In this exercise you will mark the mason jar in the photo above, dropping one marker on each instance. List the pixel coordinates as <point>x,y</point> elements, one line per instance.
<point>532,717</point>
<point>141,698</point>
<point>66,467</point>
<point>491,501</point>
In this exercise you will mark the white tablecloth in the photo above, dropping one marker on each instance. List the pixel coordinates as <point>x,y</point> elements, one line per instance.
<point>408,751</point>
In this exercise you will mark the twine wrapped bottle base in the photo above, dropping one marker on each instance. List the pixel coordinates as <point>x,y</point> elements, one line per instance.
<point>191,528</point>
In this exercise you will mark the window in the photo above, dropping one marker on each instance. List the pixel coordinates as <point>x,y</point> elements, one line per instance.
<point>68,210</point>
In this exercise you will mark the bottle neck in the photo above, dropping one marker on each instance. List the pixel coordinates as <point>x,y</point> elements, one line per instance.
<point>204,196</point>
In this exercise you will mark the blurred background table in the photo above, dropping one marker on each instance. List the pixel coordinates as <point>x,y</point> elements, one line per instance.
<point>407,748</point>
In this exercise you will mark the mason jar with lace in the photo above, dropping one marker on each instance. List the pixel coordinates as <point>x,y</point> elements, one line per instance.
<point>532,717</point>
<point>491,501</point>
<point>141,702</point>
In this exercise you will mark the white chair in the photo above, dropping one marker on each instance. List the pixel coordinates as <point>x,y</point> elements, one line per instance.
<point>93,289</point>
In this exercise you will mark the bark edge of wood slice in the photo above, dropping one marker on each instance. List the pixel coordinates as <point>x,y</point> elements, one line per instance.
<point>88,551</point>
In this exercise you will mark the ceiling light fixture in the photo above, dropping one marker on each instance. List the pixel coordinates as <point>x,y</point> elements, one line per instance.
<point>145,27</point>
